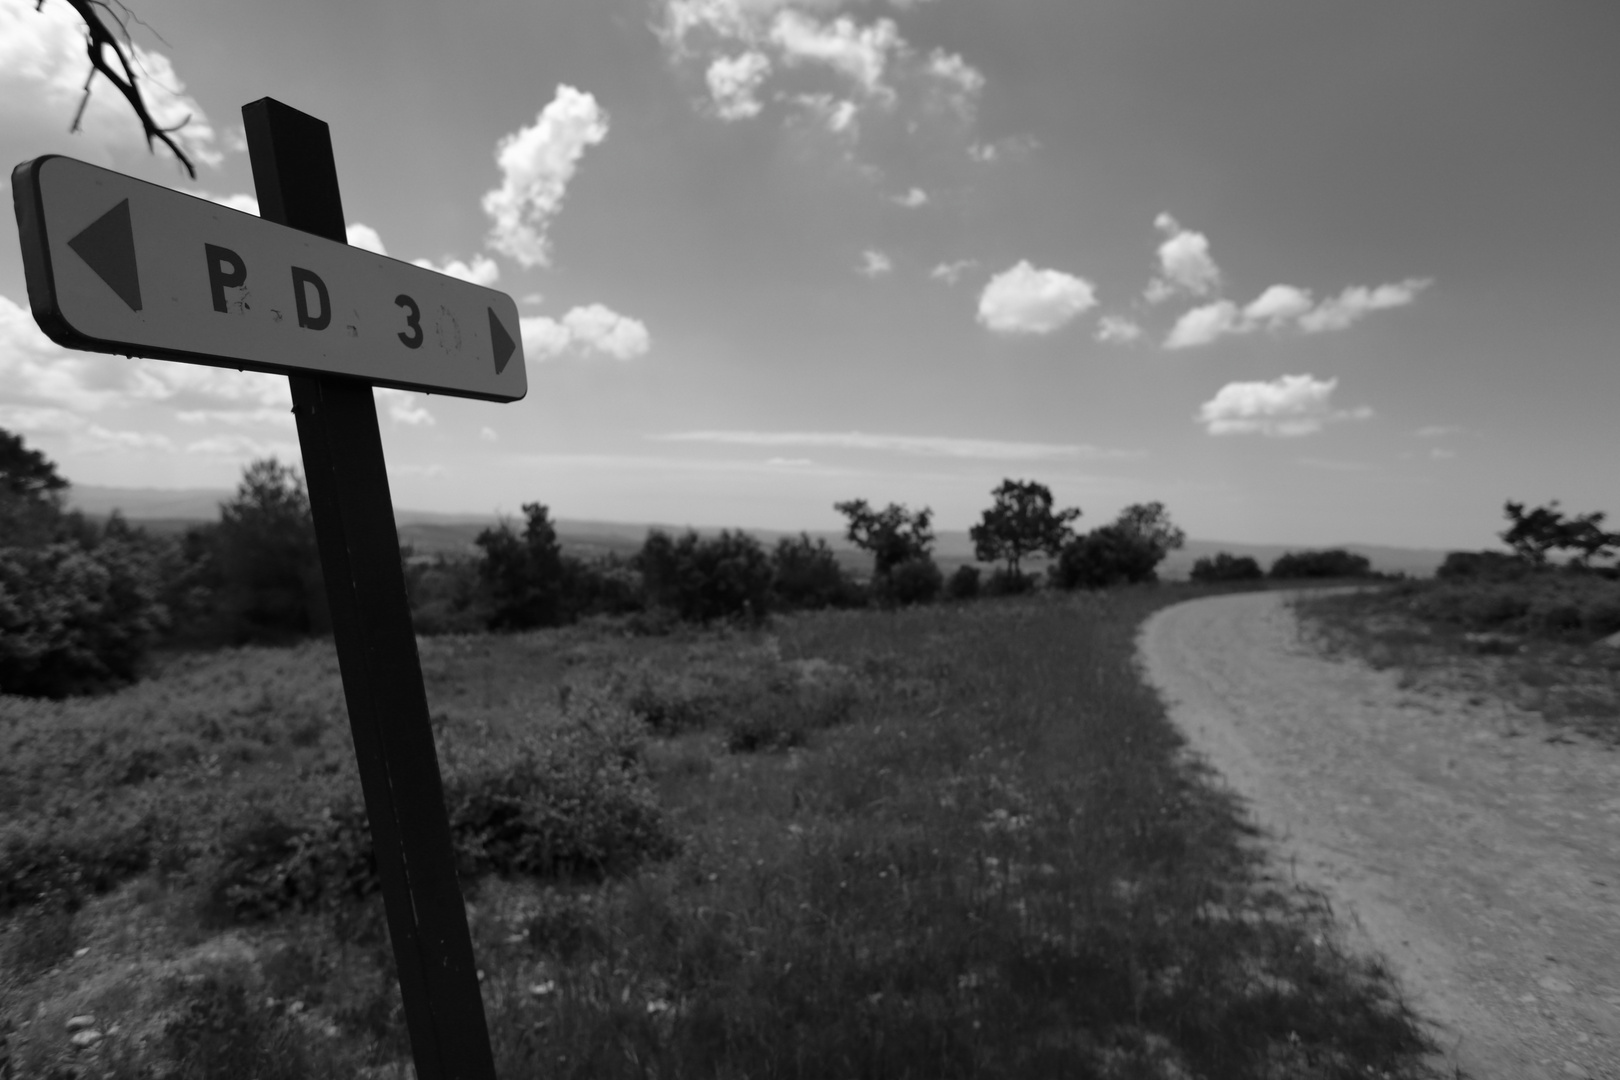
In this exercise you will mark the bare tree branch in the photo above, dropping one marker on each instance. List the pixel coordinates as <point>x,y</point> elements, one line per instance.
<point>97,39</point>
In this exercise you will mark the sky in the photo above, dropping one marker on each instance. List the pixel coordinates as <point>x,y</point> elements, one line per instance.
<point>1307,273</point>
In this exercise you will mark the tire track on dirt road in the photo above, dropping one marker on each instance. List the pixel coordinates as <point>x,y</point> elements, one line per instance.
<point>1485,867</point>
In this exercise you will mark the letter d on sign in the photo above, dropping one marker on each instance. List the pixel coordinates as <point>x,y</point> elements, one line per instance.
<point>301,278</point>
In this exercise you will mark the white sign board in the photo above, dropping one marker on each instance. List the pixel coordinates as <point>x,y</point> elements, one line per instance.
<point>118,265</point>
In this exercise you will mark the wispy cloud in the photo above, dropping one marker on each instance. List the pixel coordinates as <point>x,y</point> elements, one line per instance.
<point>915,445</point>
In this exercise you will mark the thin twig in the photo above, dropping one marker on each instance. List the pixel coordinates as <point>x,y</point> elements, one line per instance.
<point>99,38</point>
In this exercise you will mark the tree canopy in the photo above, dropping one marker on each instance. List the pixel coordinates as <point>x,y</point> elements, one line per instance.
<point>1021,523</point>
<point>894,535</point>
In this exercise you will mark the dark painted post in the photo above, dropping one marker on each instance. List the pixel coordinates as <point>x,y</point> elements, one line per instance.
<point>296,178</point>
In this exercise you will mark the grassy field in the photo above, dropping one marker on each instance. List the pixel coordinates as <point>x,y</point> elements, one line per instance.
<point>955,841</point>
<point>1533,642</point>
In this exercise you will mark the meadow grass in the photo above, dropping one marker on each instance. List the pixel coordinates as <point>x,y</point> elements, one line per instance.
<point>955,841</point>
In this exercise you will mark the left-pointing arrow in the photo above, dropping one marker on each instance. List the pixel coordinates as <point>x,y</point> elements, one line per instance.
<point>107,245</point>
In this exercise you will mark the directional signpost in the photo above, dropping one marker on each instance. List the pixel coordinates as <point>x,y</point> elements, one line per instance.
<point>117,265</point>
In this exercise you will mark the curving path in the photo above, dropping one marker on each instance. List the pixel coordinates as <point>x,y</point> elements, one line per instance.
<point>1482,861</point>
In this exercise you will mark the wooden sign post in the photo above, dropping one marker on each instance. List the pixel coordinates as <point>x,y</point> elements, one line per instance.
<point>115,267</point>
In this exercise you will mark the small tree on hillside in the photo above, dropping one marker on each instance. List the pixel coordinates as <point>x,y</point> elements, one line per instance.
<point>1021,523</point>
<point>268,566</point>
<point>523,575</point>
<point>1534,533</point>
<point>894,535</point>
<point>1125,552</point>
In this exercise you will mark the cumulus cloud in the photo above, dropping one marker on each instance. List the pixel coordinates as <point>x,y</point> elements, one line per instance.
<point>404,406</point>
<point>537,162</point>
<point>1202,325</point>
<point>364,236</point>
<point>1437,431</point>
<point>1290,405</point>
<point>863,53</point>
<point>734,83</point>
<point>875,263</point>
<point>1117,329</point>
<point>1185,265</point>
<point>912,199</point>
<point>914,445</point>
<point>481,271</point>
<point>1278,305</point>
<point>950,273</point>
<point>584,331</point>
<point>42,73</point>
<point>1024,300</point>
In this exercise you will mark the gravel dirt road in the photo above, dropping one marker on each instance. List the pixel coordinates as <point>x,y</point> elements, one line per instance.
<point>1480,859</point>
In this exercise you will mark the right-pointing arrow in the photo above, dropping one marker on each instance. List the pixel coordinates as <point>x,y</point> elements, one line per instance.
<point>107,245</point>
<point>504,345</point>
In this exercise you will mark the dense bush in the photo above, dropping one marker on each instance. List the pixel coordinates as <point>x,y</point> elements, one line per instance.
<point>1125,552</point>
<point>1103,557</point>
<point>61,859</point>
<point>806,575</point>
<point>1226,567</point>
<point>76,618</point>
<point>1331,563</point>
<point>915,581</point>
<point>1483,565</point>
<point>703,579</point>
<point>784,713</point>
<point>963,584</point>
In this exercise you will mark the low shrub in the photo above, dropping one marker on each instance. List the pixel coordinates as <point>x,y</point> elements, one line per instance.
<point>1226,567</point>
<point>1601,618</point>
<point>1331,563</point>
<point>571,802</point>
<point>963,584</point>
<point>64,857</point>
<point>1004,582</point>
<point>786,713</point>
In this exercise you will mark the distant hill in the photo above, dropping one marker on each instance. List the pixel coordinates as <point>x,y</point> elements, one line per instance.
<point>173,509</point>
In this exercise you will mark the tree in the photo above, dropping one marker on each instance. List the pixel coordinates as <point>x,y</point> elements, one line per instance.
<point>30,495</point>
<point>523,576</point>
<point>1125,552</point>
<point>1149,525</point>
<point>1533,534</point>
<point>893,535</point>
<point>1021,523</point>
<point>269,569</point>
<point>700,580</point>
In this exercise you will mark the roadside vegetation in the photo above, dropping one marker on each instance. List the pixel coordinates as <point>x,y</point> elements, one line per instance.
<point>1520,626</point>
<point>718,811</point>
<point>947,840</point>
